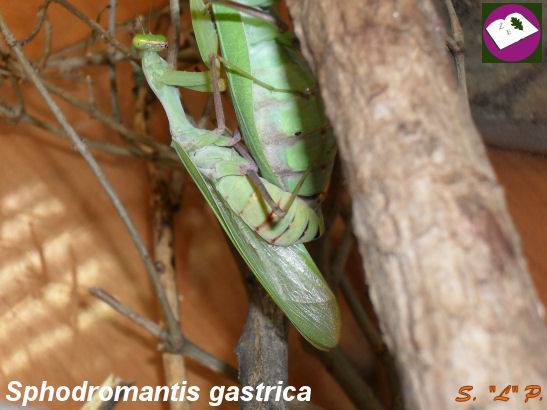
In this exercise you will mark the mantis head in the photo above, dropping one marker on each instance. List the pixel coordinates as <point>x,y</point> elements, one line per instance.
<point>149,42</point>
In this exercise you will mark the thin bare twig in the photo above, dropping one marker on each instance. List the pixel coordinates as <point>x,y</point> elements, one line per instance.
<point>47,46</point>
<point>19,108</point>
<point>456,44</point>
<point>188,348</point>
<point>91,23</point>
<point>101,57</point>
<point>214,364</point>
<point>172,323</point>
<point>206,113</point>
<point>361,317</point>
<point>101,12</point>
<point>349,379</point>
<point>341,258</point>
<point>97,404</point>
<point>116,113</point>
<point>95,58</point>
<point>174,34</point>
<point>151,327</point>
<point>12,115</point>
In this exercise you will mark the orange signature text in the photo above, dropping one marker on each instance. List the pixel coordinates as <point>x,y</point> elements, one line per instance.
<point>504,394</point>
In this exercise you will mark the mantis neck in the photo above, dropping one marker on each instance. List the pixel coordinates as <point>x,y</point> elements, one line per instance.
<point>154,66</point>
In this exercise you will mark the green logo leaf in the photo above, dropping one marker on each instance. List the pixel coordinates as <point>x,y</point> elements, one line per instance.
<point>516,23</point>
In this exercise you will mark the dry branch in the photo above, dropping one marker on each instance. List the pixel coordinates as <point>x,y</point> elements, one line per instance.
<point>164,203</point>
<point>161,270</point>
<point>34,77</point>
<point>443,260</point>
<point>262,349</point>
<point>188,348</point>
<point>163,234</point>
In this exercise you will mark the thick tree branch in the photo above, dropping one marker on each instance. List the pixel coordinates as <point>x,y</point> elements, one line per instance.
<point>444,263</point>
<point>262,349</point>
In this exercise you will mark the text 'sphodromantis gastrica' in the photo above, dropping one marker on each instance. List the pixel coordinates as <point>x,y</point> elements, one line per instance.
<point>287,273</point>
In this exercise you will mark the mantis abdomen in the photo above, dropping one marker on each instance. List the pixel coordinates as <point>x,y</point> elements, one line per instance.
<point>300,224</point>
<point>286,132</point>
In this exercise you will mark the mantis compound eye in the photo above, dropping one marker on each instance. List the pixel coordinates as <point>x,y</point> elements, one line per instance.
<point>150,42</point>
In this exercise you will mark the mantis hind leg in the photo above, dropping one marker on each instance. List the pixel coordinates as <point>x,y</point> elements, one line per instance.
<point>236,138</point>
<point>217,99</point>
<point>296,191</point>
<point>232,67</point>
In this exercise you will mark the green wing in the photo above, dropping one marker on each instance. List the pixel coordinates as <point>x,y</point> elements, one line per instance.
<point>288,274</point>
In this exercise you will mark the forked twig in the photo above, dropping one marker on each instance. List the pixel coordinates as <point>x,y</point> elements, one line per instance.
<point>188,347</point>
<point>76,12</point>
<point>25,118</point>
<point>172,323</point>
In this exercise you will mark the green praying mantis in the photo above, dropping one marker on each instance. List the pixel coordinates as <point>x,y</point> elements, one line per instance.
<point>245,203</point>
<point>281,120</point>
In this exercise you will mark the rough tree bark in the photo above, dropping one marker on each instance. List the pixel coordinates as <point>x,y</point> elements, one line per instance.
<point>444,263</point>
